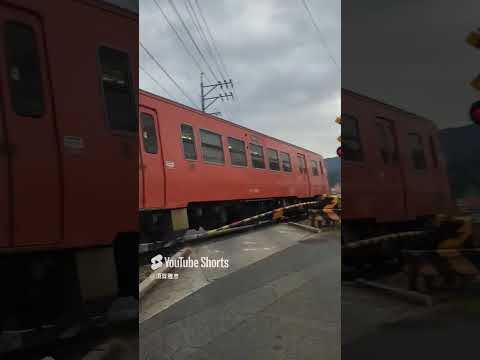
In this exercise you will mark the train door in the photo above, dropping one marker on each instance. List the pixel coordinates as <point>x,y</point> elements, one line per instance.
<point>390,179</point>
<point>30,131</point>
<point>152,176</point>
<point>305,180</point>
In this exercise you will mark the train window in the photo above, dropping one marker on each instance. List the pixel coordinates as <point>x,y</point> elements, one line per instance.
<point>238,155</point>
<point>258,159</point>
<point>433,151</point>
<point>188,141</point>
<point>392,144</point>
<point>212,148</point>
<point>321,167</point>
<point>286,163</point>
<point>314,168</point>
<point>273,161</point>
<point>149,133</point>
<point>117,90</point>
<point>385,154</point>
<point>417,152</point>
<point>302,165</point>
<point>351,143</point>
<point>388,149</point>
<point>24,73</point>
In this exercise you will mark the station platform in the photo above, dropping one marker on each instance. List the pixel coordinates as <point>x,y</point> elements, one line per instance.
<point>279,299</point>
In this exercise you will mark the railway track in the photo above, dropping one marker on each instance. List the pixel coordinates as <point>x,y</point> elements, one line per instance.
<point>436,261</point>
<point>296,212</point>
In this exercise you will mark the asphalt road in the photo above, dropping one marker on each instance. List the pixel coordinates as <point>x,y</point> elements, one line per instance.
<point>442,335</point>
<point>376,326</point>
<point>283,306</point>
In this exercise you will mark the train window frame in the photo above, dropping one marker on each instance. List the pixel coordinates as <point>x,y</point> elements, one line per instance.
<point>143,116</point>
<point>315,171</point>
<point>252,159</point>
<point>230,148</point>
<point>416,151</point>
<point>269,159</point>
<point>356,139</point>
<point>303,162</point>
<point>388,146</point>
<point>191,141</point>
<point>131,129</point>
<point>206,145</point>
<point>283,162</point>
<point>13,73</point>
<point>433,152</point>
<point>381,134</point>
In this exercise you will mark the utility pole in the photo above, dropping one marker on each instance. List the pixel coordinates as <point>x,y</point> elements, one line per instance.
<point>205,90</point>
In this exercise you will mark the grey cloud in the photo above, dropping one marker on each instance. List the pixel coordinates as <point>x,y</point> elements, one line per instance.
<point>412,54</point>
<point>286,84</point>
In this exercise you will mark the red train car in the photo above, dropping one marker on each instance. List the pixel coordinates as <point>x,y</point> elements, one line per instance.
<point>68,148</point>
<point>393,173</point>
<point>196,167</point>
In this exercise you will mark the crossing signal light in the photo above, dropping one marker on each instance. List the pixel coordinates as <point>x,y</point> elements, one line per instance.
<point>476,83</point>
<point>338,120</point>
<point>475,112</point>
<point>339,152</point>
<point>473,39</point>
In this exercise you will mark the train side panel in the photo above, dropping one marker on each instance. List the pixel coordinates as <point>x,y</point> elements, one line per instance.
<point>392,171</point>
<point>68,161</point>
<point>106,165</point>
<point>318,175</point>
<point>61,156</point>
<point>244,182</point>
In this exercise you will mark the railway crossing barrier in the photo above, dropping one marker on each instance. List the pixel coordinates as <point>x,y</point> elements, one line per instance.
<point>443,256</point>
<point>449,266</point>
<point>327,206</point>
<point>325,210</point>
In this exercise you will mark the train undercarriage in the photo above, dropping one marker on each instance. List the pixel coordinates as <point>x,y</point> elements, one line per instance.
<point>49,292</point>
<point>167,225</point>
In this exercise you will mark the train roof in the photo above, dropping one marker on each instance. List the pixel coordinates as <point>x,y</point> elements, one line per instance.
<point>129,5</point>
<point>158,97</point>
<point>392,107</point>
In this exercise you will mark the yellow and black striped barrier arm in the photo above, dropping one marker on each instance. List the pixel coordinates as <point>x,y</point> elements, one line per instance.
<point>328,204</point>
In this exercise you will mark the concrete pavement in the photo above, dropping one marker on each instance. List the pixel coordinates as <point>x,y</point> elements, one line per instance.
<point>375,326</point>
<point>271,304</point>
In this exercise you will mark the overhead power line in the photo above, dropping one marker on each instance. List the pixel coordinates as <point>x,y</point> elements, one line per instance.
<point>211,38</point>
<point>179,37</point>
<point>196,22</point>
<point>156,82</point>
<point>167,74</point>
<point>193,40</point>
<point>324,43</point>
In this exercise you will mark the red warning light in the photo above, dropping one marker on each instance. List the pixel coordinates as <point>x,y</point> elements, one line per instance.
<point>475,112</point>
<point>339,152</point>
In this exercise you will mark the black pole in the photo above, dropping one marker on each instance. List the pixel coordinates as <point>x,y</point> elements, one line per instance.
<point>201,89</point>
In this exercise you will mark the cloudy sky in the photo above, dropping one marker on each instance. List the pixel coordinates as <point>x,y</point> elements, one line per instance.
<point>286,82</point>
<point>413,54</point>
